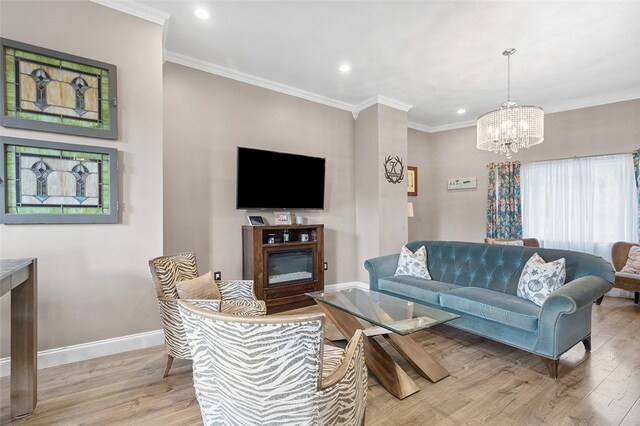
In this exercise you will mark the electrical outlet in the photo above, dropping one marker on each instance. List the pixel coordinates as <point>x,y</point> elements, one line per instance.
<point>217,276</point>
<point>326,265</point>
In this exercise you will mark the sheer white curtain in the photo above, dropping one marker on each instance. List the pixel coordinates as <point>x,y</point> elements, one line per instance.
<point>583,204</point>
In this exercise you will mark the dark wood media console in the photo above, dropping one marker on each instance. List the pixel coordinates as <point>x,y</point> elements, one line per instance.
<point>282,271</point>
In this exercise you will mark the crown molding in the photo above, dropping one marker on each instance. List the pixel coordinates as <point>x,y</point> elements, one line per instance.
<point>421,127</point>
<point>136,9</point>
<point>590,101</point>
<point>382,100</point>
<point>209,67</point>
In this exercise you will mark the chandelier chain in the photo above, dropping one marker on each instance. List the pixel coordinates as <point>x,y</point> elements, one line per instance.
<point>509,78</point>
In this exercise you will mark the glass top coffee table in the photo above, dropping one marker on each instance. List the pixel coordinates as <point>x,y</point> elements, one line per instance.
<point>395,318</point>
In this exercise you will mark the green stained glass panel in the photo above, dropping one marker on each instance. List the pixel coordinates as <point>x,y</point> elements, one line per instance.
<point>40,210</point>
<point>87,155</point>
<point>10,90</point>
<point>82,68</point>
<point>38,151</point>
<point>11,193</point>
<point>9,70</point>
<point>82,210</point>
<point>39,58</point>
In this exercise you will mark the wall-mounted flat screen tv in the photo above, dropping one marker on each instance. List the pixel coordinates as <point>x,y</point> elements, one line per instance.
<point>278,180</point>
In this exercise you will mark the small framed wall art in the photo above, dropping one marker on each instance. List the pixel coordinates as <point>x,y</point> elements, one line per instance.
<point>462,183</point>
<point>50,182</point>
<point>282,218</point>
<point>412,181</point>
<point>51,91</point>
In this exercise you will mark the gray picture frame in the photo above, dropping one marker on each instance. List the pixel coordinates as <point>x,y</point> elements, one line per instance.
<point>9,218</point>
<point>60,127</point>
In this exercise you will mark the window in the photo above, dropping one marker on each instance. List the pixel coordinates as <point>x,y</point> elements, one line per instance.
<point>582,204</point>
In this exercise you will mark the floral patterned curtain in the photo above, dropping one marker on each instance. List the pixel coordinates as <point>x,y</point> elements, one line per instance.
<point>504,207</point>
<point>636,166</point>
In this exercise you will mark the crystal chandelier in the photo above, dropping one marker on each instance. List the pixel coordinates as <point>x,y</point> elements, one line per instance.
<point>511,127</point>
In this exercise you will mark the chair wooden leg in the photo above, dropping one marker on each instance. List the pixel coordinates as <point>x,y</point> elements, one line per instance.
<point>599,300</point>
<point>169,362</point>
<point>552,366</point>
<point>636,298</point>
<point>587,343</point>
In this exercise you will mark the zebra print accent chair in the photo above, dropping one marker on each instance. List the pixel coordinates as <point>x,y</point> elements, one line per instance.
<point>272,370</point>
<point>237,298</point>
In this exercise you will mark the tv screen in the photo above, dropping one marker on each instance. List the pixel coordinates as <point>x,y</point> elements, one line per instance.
<point>277,180</point>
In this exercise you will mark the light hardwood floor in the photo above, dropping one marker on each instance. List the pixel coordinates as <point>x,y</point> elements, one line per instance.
<point>490,383</point>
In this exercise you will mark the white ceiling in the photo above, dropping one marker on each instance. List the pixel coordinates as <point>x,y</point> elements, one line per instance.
<point>436,56</point>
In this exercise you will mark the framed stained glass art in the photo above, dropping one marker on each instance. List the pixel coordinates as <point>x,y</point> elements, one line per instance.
<point>50,182</point>
<point>51,91</point>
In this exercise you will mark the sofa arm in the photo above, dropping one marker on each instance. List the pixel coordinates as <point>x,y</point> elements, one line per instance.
<point>574,295</point>
<point>380,267</point>
<point>565,317</point>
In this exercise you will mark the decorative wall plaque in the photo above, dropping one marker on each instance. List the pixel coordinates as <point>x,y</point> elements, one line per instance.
<point>49,182</point>
<point>55,92</point>
<point>393,169</point>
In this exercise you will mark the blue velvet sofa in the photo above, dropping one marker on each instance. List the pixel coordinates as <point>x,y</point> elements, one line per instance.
<point>479,282</point>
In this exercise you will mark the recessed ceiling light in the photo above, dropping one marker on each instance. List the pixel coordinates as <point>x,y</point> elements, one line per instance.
<point>461,111</point>
<point>344,68</point>
<point>201,13</point>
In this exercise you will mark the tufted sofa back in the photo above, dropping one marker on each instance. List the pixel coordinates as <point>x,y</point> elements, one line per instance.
<point>498,267</point>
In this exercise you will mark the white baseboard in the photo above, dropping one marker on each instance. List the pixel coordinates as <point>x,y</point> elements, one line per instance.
<point>350,284</point>
<point>84,351</point>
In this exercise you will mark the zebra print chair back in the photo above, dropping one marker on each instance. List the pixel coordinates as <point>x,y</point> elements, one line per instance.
<point>237,298</point>
<point>269,370</point>
<point>168,270</point>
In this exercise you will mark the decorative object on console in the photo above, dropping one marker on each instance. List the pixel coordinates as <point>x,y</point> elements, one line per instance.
<point>527,242</point>
<point>304,237</point>
<point>393,169</point>
<point>412,181</point>
<point>256,220</point>
<point>55,92</point>
<point>50,182</point>
<point>539,279</point>
<point>281,218</point>
<point>511,127</point>
<point>462,182</point>
<point>413,264</point>
<point>299,220</point>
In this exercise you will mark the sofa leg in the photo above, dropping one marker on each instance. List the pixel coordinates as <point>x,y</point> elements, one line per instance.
<point>587,343</point>
<point>599,300</point>
<point>552,366</point>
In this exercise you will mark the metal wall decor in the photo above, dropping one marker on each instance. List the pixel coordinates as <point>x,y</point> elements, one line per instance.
<point>393,169</point>
<point>49,182</point>
<point>55,92</point>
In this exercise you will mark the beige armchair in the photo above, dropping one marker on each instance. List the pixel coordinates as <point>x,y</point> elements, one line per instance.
<point>625,281</point>
<point>237,298</point>
<point>273,370</point>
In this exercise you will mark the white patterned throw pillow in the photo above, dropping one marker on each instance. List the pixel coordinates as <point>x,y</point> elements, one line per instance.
<point>413,264</point>
<point>539,279</point>
<point>633,262</point>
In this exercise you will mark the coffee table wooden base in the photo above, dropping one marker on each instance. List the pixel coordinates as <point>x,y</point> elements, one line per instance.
<point>386,370</point>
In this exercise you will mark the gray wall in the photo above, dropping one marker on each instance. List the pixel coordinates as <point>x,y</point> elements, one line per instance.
<point>94,280</point>
<point>460,214</point>
<point>419,147</point>
<point>206,118</point>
